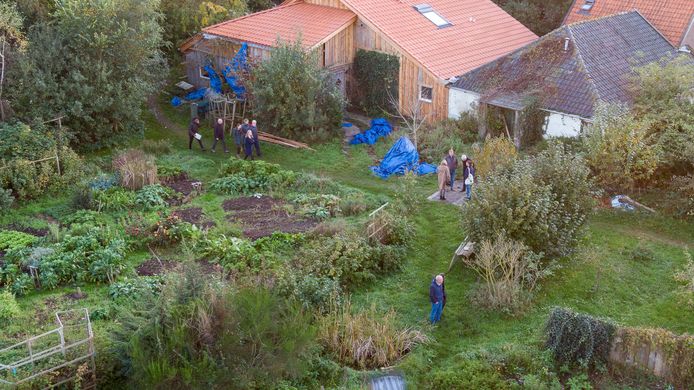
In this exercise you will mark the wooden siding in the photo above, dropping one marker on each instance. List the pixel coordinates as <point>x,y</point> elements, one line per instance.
<point>327,3</point>
<point>219,52</point>
<point>411,76</point>
<point>339,50</point>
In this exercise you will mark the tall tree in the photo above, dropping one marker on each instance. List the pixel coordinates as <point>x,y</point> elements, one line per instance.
<point>12,40</point>
<point>187,17</point>
<point>95,61</point>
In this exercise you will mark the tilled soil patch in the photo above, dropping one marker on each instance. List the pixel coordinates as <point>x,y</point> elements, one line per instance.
<point>42,232</point>
<point>181,183</point>
<point>193,215</point>
<point>260,217</point>
<point>153,267</point>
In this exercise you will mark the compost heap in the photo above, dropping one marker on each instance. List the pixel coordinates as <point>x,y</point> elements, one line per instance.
<point>402,157</point>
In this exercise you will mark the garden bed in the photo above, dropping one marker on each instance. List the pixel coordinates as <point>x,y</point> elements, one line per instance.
<point>193,215</point>
<point>181,183</point>
<point>262,216</point>
<point>153,267</point>
<point>42,232</point>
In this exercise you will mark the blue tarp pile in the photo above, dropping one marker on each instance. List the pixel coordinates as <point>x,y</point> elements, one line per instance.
<point>379,128</point>
<point>402,157</point>
<point>617,203</point>
<point>238,63</point>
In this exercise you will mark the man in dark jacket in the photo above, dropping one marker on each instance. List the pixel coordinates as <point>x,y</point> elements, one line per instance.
<point>192,131</point>
<point>436,298</point>
<point>240,136</point>
<point>219,135</point>
<point>452,165</point>
<point>254,129</point>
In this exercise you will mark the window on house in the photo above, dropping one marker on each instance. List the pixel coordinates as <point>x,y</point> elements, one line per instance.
<point>426,93</point>
<point>203,73</point>
<point>588,5</point>
<point>428,12</point>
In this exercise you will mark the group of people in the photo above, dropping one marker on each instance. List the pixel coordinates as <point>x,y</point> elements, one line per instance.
<point>245,137</point>
<point>446,173</point>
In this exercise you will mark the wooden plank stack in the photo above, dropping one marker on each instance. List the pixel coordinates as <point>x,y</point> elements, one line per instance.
<point>273,139</point>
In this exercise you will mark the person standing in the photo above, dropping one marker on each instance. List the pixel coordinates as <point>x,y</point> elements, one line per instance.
<point>463,164</point>
<point>219,135</point>
<point>452,162</point>
<point>254,129</point>
<point>436,298</point>
<point>248,144</point>
<point>240,136</point>
<point>469,178</point>
<point>193,133</point>
<point>444,176</point>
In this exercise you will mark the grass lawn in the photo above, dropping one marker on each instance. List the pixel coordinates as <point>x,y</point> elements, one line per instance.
<point>602,278</point>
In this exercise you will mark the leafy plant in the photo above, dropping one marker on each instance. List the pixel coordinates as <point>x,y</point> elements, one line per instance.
<point>686,278</point>
<point>468,374</point>
<point>135,288</point>
<point>6,200</point>
<point>82,198</point>
<point>153,197</point>
<point>368,339</point>
<point>117,199</point>
<point>578,340</point>
<point>10,240</point>
<point>9,308</point>
<point>496,154</point>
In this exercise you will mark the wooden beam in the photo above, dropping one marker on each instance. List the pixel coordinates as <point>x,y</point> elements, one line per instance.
<point>517,130</point>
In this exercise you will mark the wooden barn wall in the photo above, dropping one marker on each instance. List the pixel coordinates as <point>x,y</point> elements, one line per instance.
<point>339,50</point>
<point>327,3</point>
<point>412,76</point>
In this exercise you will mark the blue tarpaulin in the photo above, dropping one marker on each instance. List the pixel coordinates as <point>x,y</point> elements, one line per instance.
<point>238,64</point>
<point>196,95</point>
<point>402,157</point>
<point>215,81</point>
<point>176,101</point>
<point>379,128</point>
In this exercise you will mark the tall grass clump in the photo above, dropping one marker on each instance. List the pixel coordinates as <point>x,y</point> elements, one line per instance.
<point>367,339</point>
<point>136,169</point>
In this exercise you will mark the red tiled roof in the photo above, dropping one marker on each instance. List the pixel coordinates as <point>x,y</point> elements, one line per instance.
<point>313,22</point>
<point>670,17</point>
<point>480,32</point>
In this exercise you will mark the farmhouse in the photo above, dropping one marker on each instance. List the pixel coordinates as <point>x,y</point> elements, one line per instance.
<point>433,41</point>
<point>673,18</point>
<point>566,73</point>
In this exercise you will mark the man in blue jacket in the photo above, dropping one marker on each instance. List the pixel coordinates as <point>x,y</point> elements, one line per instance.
<point>436,297</point>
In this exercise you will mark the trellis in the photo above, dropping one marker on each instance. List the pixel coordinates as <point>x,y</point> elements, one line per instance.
<point>376,226</point>
<point>56,355</point>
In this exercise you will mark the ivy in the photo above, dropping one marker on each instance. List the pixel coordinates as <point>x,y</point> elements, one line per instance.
<point>377,80</point>
<point>578,339</point>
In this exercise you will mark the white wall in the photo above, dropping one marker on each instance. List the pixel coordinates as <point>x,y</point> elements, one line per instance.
<point>460,101</point>
<point>561,125</point>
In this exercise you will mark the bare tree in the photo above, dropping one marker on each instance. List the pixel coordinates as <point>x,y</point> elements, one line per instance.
<point>411,114</point>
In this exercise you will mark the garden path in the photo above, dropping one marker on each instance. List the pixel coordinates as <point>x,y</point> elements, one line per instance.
<point>456,197</point>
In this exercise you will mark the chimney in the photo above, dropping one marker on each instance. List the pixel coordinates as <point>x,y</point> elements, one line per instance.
<point>566,43</point>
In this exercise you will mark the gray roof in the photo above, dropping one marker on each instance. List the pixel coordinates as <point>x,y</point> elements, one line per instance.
<point>599,61</point>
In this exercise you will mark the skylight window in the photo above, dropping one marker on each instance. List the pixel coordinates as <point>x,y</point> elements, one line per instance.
<point>588,5</point>
<point>433,16</point>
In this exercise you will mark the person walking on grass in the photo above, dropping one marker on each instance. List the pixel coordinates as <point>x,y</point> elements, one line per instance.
<point>463,164</point>
<point>436,297</point>
<point>219,135</point>
<point>254,129</point>
<point>444,177</point>
<point>194,134</point>
<point>452,162</point>
<point>240,136</point>
<point>469,178</point>
<point>248,144</point>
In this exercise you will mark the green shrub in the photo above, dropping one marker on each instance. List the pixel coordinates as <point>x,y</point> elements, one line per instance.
<point>6,201</point>
<point>316,293</point>
<point>158,147</point>
<point>376,75</point>
<point>248,177</point>
<point>578,340</point>
<point>685,277</point>
<point>295,96</point>
<point>542,202</point>
<point>435,140</point>
<point>679,198</point>
<point>368,339</point>
<point>153,197</point>
<point>10,240</point>
<point>468,374</point>
<point>135,288</point>
<point>496,154</point>
<point>9,308</point>
<point>82,198</point>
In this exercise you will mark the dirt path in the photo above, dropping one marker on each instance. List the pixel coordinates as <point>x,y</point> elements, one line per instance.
<point>161,117</point>
<point>648,235</point>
